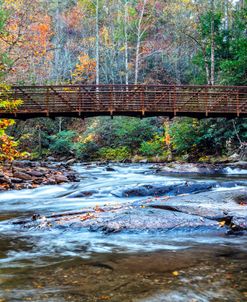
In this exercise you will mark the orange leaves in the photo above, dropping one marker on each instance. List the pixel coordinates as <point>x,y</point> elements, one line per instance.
<point>40,34</point>
<point>87,216</point>
<point>85,69</point>
<point>168,139</point>
<point>8,149</point>
<point>4,124</point>
<point>74,17</point>
<point>105,298</point>
<point>98,209</point>
<point>26,39</point>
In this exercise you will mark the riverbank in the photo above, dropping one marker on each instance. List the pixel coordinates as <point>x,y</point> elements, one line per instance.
<point>29,174</point>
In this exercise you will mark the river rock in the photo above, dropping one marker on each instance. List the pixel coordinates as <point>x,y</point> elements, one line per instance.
<point>82,194</point>
<point>183,187</point>
<point>50,181</point>
<point>38,181</point>
<point>214,212</point>
<point>36,173</point>
<point>16,180</point>
<point>60,179</point>
<point>4,179</point>
<point>51,158</point>
<point>110,169</point>
<point>24,163</point>
<point>22,175</point>
<point>189,168</point>
<point>70,162</point>
<point>143,161</point>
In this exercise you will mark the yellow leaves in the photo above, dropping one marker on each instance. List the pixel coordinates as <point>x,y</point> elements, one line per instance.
<point>105,36</point>
<point>122,48</point>
<point>87,216</point>
<point>222,223</point>
<point>10,105</point>
<point>85,69</point>
<point>13,4</point>
<point>4,124</point>
<point>98,209</point>
<point>89,138</point>
<point>8,149</point>
<point>175,273</point>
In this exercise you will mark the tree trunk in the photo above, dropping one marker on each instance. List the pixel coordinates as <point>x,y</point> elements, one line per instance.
<point>138,42</point>
<point>97,42</point>
<point>126,20</point>
<point>212,43</point>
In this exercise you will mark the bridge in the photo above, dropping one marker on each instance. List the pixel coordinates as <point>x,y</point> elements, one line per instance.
<point>130,100</point>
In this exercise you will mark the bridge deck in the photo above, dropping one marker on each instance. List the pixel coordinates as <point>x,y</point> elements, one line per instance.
<point>134,100</point>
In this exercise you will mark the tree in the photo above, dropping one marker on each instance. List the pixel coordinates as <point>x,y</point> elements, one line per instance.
<point>8,146</point>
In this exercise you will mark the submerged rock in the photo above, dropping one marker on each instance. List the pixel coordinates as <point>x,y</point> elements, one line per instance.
<point>211,212</point>
<point>82,194</point>
<point>189,168</point>
<point>177,188</point>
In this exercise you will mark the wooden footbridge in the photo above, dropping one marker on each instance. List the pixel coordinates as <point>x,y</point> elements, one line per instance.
<point>131,100</point>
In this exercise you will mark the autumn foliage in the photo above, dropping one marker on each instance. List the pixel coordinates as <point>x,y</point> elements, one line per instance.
<point>8,146</point>
<point>84,70</point>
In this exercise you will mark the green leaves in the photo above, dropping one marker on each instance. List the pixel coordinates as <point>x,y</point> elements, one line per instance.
<point>63,142</point>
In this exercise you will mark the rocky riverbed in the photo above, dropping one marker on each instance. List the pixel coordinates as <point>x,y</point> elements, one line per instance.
<point>126,233</point>
<point>28,174</point>
<point>220,212</point>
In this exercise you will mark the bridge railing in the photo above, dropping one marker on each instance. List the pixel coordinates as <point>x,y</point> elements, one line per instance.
<point>136,99</point>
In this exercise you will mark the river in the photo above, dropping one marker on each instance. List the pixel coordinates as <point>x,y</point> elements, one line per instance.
<point>73,264</point>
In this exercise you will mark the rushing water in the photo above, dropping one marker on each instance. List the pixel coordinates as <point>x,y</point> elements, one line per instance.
<point>78,265</point>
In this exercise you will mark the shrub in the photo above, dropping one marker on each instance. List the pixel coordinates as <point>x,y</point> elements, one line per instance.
<point>63,142</point>
<point>151,148</point>
<point>86,151</point>
<point>115,154</point>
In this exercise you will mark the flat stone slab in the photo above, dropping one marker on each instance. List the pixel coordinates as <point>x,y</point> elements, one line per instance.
<point>214,211</point>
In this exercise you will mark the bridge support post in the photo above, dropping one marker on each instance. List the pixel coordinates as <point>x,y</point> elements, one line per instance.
<point>47,101</point>
<point>174,101</point>
<point>143,101</point>
<point>238,110</point>
<point>79,101</point>
<point>206,103</point>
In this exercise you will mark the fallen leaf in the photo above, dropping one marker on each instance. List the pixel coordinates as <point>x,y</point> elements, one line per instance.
<point>98,209</point>
<point>222,223</point>
<point>105,298</point>
<point>87,216</point>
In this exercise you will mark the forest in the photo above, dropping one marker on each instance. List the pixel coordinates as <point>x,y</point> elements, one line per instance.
<point>123,42</point>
